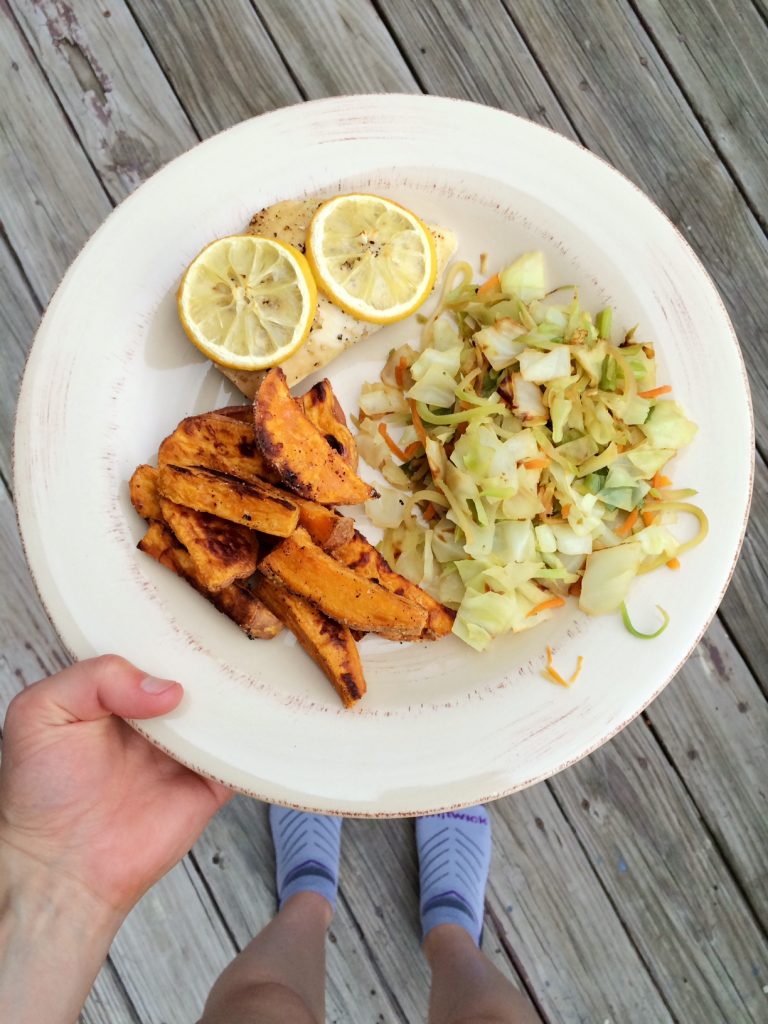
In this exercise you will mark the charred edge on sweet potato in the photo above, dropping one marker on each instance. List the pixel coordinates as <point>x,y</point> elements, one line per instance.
<point>322,408</point>
<point>235,601</point>
<point>298,451</point>
<point>329,644</point>
<point>221,551</point>
<point>251,503</point>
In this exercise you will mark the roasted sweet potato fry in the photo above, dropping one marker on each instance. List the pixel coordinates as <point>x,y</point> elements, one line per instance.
<point>143,488</point>
<point>217,441</point>
<point>339,592</point>
<point>328,643</point>
<point>221,552</point>
<point>253,503</point>
<point>297,450</point>
<point>362,557</point>
<point>326,527</point>
<point>322,408</point>
<point>234,601</point>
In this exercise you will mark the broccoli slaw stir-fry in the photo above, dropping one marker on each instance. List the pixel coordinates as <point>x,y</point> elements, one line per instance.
<point>525,453</point>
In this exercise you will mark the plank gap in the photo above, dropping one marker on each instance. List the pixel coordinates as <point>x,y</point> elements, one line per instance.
<point>129,7</point>
<point>613,903</point>
<point>372,960</point>
<point>743,654</point>
<point>270,35</point>
<point>705,826</point>
<point>543,72</point>
<point>62,110</point>
<point>689,99</point>
<point>761,10</point>
<point>192,858</point>
<point>511,954</point>
<point>37,301</point>
<point>376,4</point>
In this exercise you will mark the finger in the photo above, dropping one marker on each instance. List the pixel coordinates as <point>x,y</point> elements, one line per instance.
<point>103,686</point>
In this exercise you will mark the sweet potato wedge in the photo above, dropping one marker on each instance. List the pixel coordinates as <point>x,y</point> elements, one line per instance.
<point>234,601</point>
<point>217,441</point>
<point>297,450</point>
<point>326,527</point>
<point>362,557</point>
<point>221,552</point>
<point>328,643</point>
<point>321,407</point>
<point>143,489</point>
<point>254,504</point>
<point>304,568</point>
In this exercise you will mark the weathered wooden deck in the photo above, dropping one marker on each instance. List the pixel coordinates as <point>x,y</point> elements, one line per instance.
<point>633,887</point>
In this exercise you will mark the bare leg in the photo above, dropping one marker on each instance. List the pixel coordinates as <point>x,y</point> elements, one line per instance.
<point>280,975</point>
<point>466,987</point>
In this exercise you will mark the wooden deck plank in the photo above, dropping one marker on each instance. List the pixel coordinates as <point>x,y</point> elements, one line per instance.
<point>236,858</point>
<point>21,315</point>
<point>723,82</point>
<point>49,205</point>
<point>683,910</point>
<point>218,58</point>
<point>129,124</point>
<point>743,609</point>
<point>467,50</point>
<point>337,46</point>
<point>568,939</point>
<point>719,751</point>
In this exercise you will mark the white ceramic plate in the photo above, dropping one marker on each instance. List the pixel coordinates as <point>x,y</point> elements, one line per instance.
<point>111,373</point>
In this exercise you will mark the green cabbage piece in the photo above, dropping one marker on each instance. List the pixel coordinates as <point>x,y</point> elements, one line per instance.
<point>668,427</point>
<point>608,577</point>
<point>525,277</point>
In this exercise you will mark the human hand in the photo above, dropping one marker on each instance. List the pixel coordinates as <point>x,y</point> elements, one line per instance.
<point>85,796</point>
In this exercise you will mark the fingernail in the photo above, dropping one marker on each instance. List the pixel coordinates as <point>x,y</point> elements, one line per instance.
<point>151,684</point>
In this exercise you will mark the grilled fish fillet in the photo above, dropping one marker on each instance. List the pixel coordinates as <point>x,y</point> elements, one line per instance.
<point>333,330</point>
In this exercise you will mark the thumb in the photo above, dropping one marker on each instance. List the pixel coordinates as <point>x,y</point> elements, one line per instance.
<point>100,687</point>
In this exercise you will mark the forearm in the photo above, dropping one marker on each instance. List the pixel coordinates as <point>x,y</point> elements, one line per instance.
<point>54,936</point>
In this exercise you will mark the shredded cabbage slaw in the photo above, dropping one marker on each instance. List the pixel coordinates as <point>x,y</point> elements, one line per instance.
<point>524,451</point>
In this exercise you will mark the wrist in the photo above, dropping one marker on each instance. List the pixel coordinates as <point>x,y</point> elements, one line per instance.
<point>54,936</point>
<point>42,894</point>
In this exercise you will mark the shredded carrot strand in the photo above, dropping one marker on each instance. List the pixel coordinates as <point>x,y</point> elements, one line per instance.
<point>413,448</point>
<point>673,563</point>
<point>655,392</point>
<point>489,285</point>
<point>629,522</point>
<point>396,451</point>
<point>552,602</point>
<point>535,463</point>
<point>555,676</point>
<point>649,518</point>
<point>579,663</point>
<point>417,424</point>
<point>430,513</point>
<point>566,511</point>
<point>659,480</point>
<point>400,371</point>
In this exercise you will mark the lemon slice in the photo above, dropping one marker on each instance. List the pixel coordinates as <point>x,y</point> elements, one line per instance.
<point>247,302</point>
<point>373,258</point>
